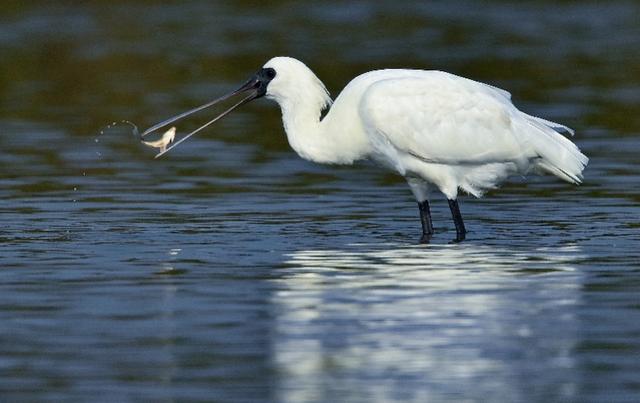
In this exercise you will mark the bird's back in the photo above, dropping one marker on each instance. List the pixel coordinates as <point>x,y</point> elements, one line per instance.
<point>439,118</point>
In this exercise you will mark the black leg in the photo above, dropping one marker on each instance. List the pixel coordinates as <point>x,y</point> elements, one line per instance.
<point>457,220</point>
<point>425,219</point>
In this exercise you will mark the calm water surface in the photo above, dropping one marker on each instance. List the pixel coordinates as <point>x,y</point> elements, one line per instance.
<point>233,271</point>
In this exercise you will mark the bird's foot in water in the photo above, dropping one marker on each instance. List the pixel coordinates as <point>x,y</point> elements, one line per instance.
<point>459,238</point>
<point>425,239</point>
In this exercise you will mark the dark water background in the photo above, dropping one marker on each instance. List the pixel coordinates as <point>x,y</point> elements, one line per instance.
<point>232,270</point>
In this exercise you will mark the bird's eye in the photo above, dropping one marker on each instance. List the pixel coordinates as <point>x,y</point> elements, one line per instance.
<point>271,73</point>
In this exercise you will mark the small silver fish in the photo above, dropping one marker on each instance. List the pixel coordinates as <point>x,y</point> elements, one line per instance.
<point>166,139</point>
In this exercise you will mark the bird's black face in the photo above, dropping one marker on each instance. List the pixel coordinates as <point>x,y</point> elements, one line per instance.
<point>256,86</point>
<point>264,77</point>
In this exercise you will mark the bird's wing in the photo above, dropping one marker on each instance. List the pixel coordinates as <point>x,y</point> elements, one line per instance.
<point>442,118</point>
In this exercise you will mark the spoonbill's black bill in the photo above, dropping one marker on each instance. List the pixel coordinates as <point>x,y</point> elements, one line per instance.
<point>438,130</point>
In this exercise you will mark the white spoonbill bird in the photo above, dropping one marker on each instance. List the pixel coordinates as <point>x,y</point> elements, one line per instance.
<point>436,129</point>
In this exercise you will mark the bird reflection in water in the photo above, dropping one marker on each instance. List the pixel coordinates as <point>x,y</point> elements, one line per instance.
<point>417,322</point>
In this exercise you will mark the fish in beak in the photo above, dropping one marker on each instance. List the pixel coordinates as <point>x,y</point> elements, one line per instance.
<point>254,88</point>
<point>166,139</point>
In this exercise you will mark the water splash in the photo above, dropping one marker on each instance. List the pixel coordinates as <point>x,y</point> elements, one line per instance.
<point>135,131</point>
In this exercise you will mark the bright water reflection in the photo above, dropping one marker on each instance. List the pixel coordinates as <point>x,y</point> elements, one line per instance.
<point>405,324</point>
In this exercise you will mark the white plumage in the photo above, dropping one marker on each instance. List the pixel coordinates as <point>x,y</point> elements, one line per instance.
<point>450,131</point>
<point>436,129</point>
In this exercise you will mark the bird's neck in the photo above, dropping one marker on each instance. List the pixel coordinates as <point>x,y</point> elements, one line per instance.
<point>327,141</point>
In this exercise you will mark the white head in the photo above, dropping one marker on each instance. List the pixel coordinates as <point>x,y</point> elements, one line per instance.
<point>300,94</point>
<point>293,83</point>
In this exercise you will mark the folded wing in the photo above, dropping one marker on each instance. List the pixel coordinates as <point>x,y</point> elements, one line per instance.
<point>443,118</point>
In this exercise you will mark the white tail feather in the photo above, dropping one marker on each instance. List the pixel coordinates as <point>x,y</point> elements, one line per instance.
<point>553,125</point>
<point>558,155</point>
